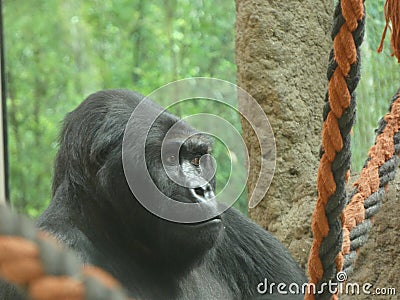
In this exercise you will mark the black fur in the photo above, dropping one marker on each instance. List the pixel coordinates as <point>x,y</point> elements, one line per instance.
<point>94,212</point>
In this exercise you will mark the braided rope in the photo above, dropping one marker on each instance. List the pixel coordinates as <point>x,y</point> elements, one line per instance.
<point>366,199</point>
<point>339,112</point>
<point>35,262</point>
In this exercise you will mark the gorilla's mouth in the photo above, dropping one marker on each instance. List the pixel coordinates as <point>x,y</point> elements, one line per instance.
<point>214,221</point>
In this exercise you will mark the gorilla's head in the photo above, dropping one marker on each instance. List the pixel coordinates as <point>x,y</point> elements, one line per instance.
<point>89,165</point>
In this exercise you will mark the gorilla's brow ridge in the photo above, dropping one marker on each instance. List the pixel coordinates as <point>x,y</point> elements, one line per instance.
<point>199,144</point>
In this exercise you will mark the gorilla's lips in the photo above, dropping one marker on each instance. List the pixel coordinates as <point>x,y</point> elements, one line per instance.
<point>210,222</point>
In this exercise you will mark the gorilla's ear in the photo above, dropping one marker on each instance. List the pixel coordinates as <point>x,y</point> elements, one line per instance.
<point>112,111</point>
<point>106,155</point>
<point>92,134</point>
<point>107,141</point>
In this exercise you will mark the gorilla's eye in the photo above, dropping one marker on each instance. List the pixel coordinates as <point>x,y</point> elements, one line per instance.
<point>196,161</point>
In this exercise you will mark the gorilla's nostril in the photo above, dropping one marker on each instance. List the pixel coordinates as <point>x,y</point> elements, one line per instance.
<point>203,193</point>
<point>199,191</point>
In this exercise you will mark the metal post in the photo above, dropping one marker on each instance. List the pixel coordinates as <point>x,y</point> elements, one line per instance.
<point>4,191</point>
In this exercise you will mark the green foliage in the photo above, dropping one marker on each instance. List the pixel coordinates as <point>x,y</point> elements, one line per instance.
<point>58,52</point>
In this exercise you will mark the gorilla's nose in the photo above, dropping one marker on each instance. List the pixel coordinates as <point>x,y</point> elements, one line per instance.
<point>203,193</point>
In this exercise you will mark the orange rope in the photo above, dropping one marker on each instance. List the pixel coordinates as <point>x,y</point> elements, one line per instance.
<point>368,182</point>
<point>345,55</point>
<point>20,264</point>
<point>392,14</point>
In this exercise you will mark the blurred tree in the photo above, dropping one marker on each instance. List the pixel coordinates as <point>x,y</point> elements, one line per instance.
<point>286,81</point>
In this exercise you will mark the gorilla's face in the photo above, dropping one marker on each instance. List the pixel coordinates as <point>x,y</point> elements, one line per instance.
<point>179,164</point>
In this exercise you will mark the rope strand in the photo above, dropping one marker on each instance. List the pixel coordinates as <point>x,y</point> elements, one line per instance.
<point>37,263</point>
<point>392,12</point>
<point>366,199</point>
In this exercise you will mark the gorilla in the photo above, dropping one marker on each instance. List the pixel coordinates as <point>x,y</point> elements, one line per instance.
<point>95,212</point>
